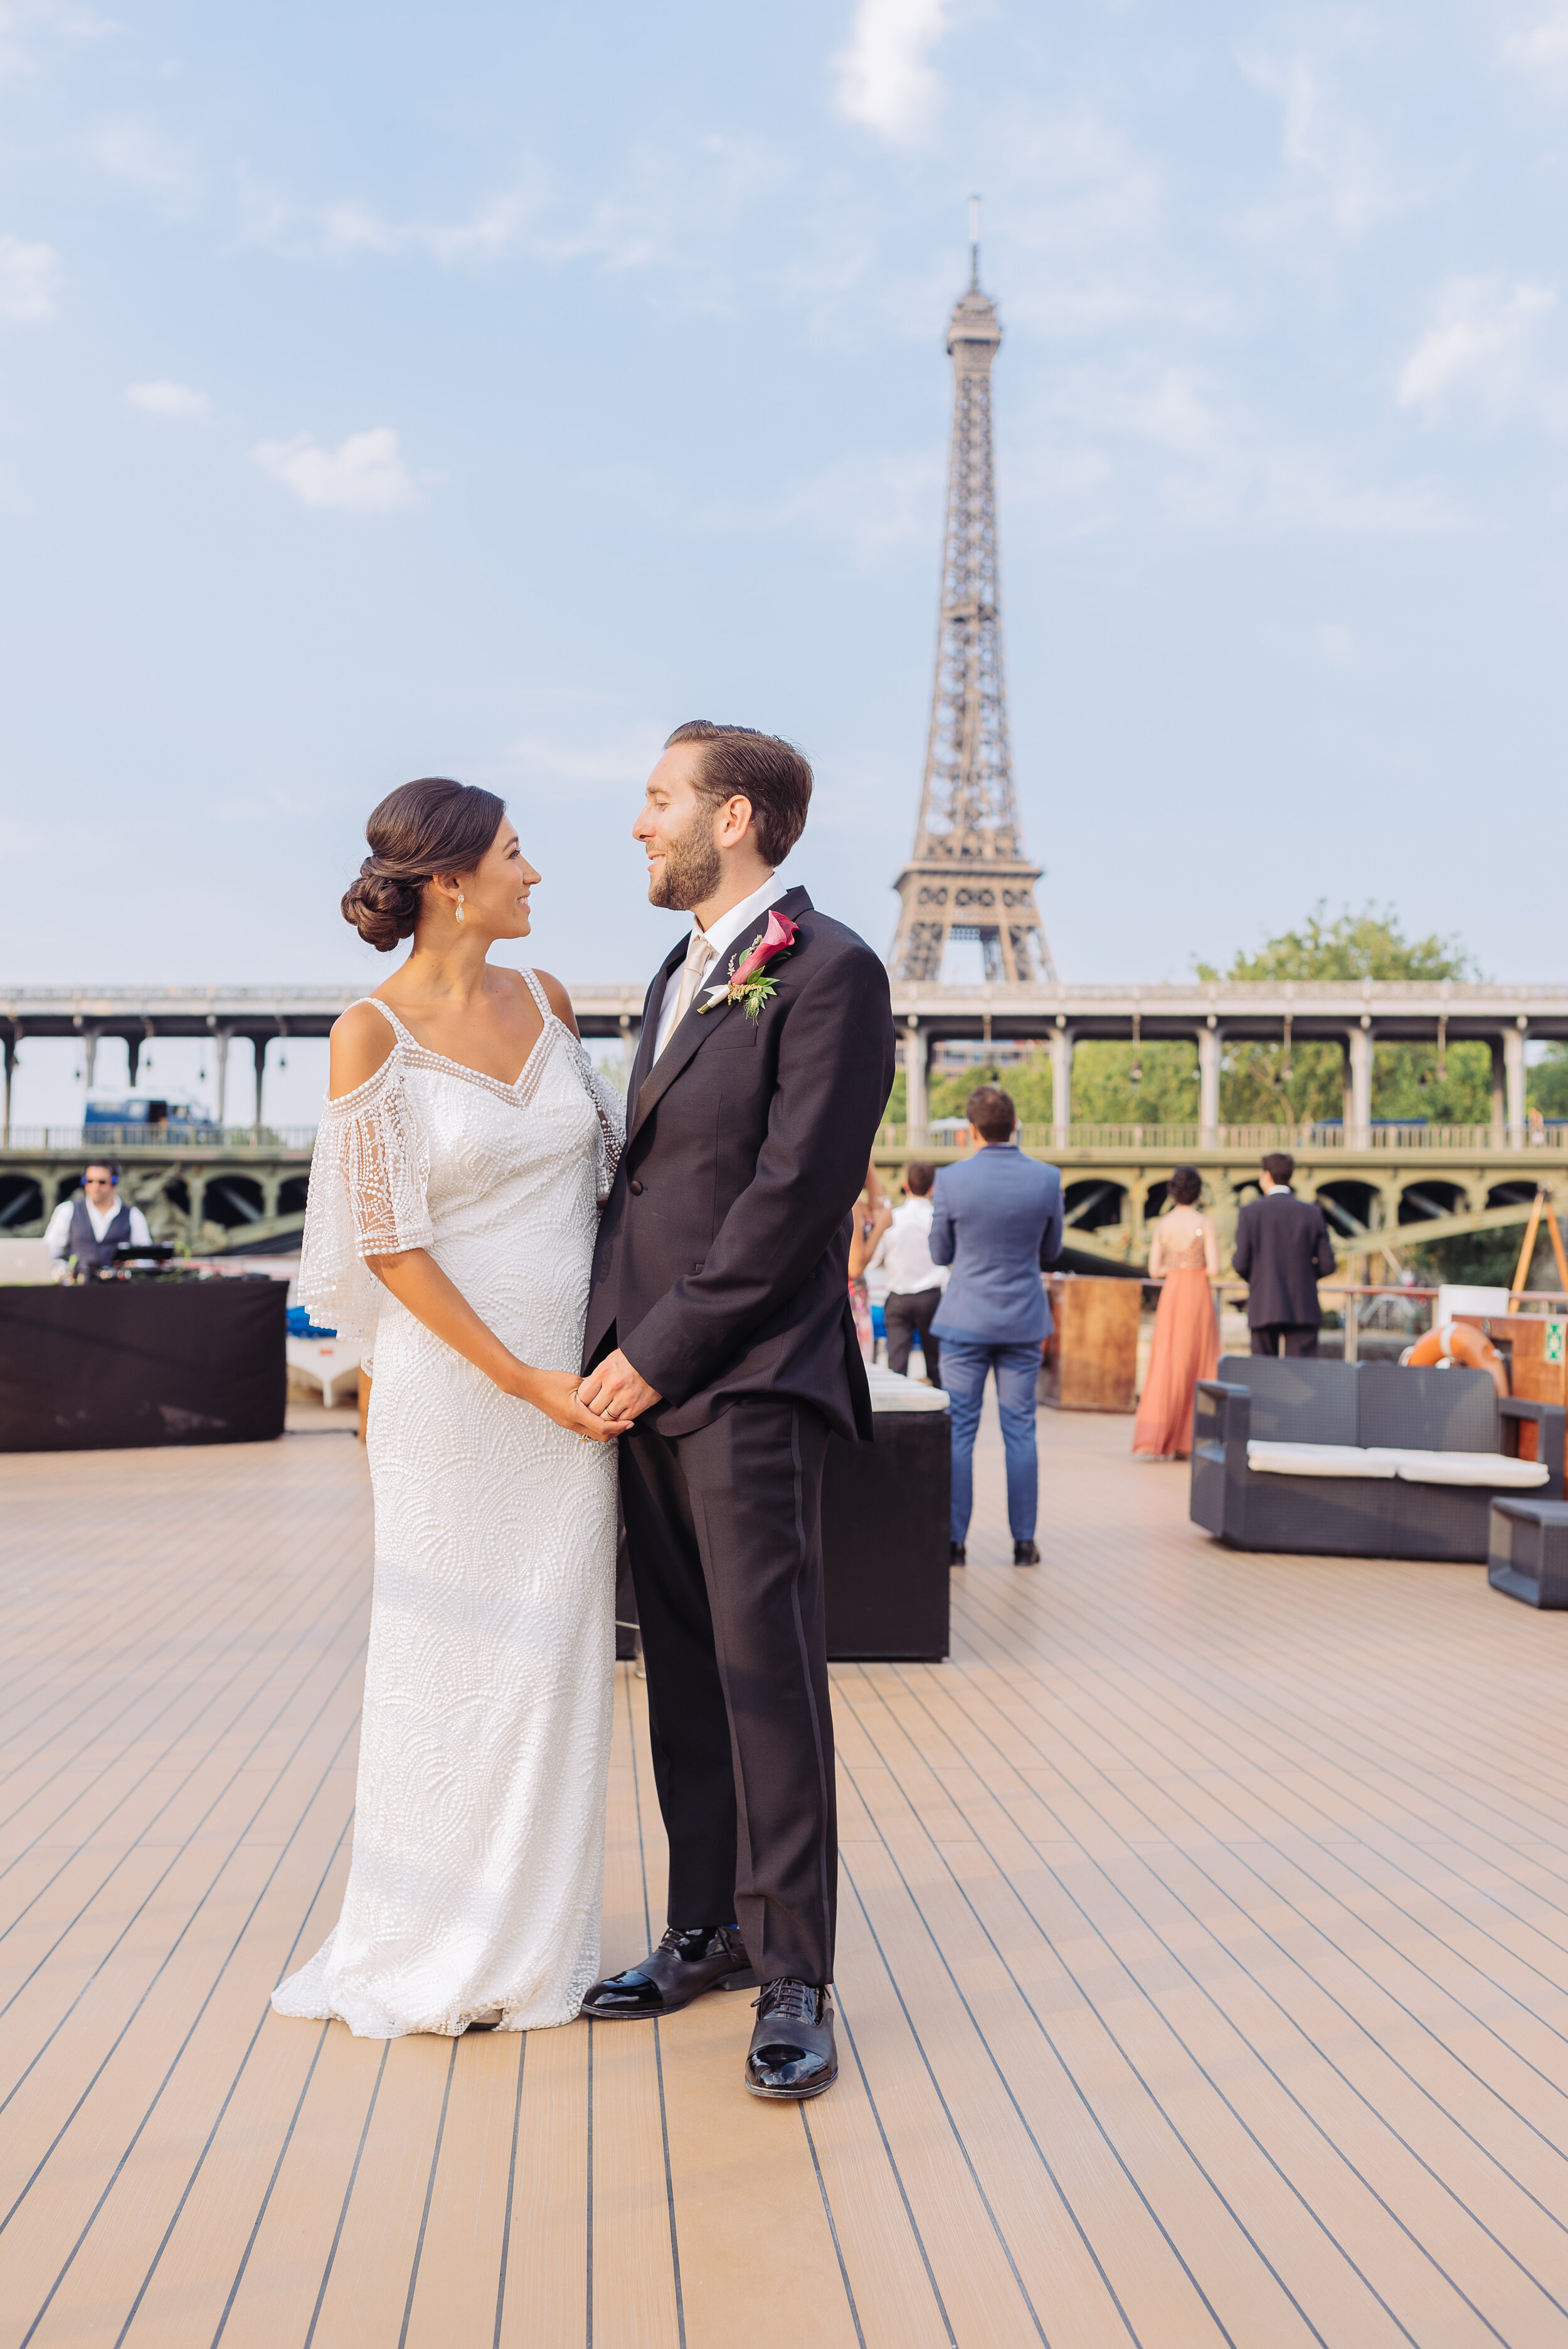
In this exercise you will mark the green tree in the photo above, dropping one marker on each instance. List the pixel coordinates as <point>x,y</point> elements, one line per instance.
<point>1261,1084</point>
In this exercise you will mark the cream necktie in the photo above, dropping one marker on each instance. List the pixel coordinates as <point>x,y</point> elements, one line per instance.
<point>700,954</point>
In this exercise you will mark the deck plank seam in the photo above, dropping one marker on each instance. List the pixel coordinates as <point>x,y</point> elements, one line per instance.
<point>624,1673</point>
<point>897,2173</point>
<point>342,2215</point>
<point>1229,2022</point>
<point>229,2094</point>
<point>429,2195</point>
<point>157,1975</point>
<point>958,2137</point>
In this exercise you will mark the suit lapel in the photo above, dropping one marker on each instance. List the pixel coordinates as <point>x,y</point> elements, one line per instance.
<point>696,1025</point>
<point>654,1003</point>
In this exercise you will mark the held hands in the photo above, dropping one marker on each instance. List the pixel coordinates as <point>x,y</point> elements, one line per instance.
<point>615,1389</point>
<point>554,1393</point>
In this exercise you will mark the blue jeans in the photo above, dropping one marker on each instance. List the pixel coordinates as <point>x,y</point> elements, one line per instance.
<point>963,1367</point>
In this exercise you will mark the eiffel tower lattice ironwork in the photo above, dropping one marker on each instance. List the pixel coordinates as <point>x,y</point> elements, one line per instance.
<point>969,876</point>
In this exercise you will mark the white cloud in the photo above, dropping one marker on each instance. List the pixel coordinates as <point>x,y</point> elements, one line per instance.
<point>1544,49</point>
<point>1336,167</point>
<point>131,152</point>
<point>175,400</point>
<point>883,77</point>
<point>29,279</point>
<point>1482,343</point>
<point>876,506</point>
<point>350,227</point>
<point>545,770</point>
<point>364,474</point>
<point>27,24</point>
<point>1129,445</point>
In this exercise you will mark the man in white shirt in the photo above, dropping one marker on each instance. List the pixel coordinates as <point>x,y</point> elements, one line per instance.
<point>708,954</point>
<point>915,1283</point>
<point>94,1221</point>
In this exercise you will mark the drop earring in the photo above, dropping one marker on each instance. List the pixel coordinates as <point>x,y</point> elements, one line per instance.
<point>460,905</point>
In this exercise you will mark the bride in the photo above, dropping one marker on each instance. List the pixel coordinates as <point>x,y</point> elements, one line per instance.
<point>462,1155</point>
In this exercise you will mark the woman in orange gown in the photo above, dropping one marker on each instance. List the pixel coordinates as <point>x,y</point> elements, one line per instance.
<point>1185,1256</point>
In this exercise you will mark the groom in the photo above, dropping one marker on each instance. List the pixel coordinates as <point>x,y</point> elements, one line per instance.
<point>720,1319</point>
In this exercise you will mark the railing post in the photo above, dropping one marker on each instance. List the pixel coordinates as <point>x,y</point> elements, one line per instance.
<point>1208,1049</point>
<point>1360,1057</point>
<point>1513,1069</point>
<point>916,1111</point>
<point>1061,1080</point>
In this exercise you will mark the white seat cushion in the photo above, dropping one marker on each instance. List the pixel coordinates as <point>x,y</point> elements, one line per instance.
<point>1318,1460</point>
<point>1463,1468</point>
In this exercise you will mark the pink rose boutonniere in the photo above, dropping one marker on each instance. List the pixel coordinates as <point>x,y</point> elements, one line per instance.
<point>749,981</point>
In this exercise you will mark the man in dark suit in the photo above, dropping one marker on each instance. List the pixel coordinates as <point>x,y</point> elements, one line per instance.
<point>1283,1251</point>
<point>720,1319</point>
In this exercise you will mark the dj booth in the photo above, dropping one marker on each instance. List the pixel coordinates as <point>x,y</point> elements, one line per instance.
<point>120,1363</point>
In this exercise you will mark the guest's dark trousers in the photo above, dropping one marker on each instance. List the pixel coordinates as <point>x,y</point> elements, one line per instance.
<point>907,1311</point>
<point>726,1539</point>
<point>1291,1338</point>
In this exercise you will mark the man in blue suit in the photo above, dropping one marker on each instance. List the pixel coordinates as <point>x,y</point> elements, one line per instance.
<point>997,1220</point>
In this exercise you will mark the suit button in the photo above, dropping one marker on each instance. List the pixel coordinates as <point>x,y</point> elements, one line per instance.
<point>636,1187</point>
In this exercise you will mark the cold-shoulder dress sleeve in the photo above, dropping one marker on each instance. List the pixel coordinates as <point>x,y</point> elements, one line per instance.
<point>611,1114</point>
<point>369,1177</point>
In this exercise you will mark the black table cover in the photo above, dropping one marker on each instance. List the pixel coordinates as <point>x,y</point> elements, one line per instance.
<point>122,1363</point>
<point>884,1540</point>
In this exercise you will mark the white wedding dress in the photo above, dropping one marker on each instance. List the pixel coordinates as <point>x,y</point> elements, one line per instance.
<point>478,1831</point>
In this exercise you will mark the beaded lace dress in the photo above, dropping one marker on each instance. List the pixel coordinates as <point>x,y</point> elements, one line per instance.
<point>478,1831</point>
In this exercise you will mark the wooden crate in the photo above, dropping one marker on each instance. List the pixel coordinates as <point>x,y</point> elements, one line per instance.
<point>1092,1356</point>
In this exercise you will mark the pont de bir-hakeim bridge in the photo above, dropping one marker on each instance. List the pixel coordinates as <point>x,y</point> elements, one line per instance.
<point>968,880</point>
<point>240,1185</point>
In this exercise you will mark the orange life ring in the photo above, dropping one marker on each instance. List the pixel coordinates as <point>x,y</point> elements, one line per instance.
<point>1460,1341</point>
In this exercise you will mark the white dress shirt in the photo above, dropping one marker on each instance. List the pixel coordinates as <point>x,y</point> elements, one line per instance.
<point>904,1251</point>
<point>721,938</point>
<point>57,1236</point>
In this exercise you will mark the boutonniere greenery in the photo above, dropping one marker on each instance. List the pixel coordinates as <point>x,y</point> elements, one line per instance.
<point>750,980</point>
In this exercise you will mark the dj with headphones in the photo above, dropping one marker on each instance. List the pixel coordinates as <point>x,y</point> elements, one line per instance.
<point>94,1221</point>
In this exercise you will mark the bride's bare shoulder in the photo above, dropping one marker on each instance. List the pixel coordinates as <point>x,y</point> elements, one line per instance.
<point>361,1041</point>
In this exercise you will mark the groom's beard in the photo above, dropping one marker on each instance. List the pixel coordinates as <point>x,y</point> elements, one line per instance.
<point>693,867</point>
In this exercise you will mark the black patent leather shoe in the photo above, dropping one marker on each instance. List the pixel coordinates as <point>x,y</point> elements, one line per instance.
<point>792,2055</point>
<point>689,1960</point>
<point>1025,1554</point>
<point>956,1554</point>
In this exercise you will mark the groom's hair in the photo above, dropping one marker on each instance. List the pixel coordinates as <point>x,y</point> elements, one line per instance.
<point>741,763</point>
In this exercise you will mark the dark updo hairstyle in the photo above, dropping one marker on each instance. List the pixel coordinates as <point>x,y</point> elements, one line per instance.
<point>419,830</point>
<point>1186,1186</point>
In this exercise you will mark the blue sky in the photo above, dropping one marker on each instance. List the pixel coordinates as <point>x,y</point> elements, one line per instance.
<point>484,390</point>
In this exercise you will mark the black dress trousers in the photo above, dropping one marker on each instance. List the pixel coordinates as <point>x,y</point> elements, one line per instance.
<point>723,1528</point>
<point>1296,1339</point>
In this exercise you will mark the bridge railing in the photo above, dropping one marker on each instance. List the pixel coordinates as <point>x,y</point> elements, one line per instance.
<point>227,1142</point>
<point>1387,1135</point>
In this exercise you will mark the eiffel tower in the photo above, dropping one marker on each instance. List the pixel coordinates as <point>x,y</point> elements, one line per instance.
<point>969,876</point>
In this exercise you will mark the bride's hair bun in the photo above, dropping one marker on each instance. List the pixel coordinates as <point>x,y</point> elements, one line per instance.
<point>419,830</point>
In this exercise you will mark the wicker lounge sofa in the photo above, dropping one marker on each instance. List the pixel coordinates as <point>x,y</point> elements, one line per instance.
<point>1365,1459</point>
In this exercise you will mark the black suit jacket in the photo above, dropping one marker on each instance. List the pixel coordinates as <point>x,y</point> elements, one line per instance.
<point>1283,1250</point>
<point>722,1267</point>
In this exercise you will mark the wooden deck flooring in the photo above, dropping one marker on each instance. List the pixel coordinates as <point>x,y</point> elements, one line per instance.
<point>1203,1964</point>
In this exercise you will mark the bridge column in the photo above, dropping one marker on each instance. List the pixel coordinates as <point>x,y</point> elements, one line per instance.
<point>1209,1049</point>
<point>259,1046</point>
<point>1061,1080</point>
<point>10,1076</point>
<point>916,1089</point>
<point>270,1186</point>
<point>89,1056</point>
<point>1498,1118</point>
<point>1358,1054</point>
<point>221,1060</point>
<point>1514,1073</point>
<point>196,1189</point>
